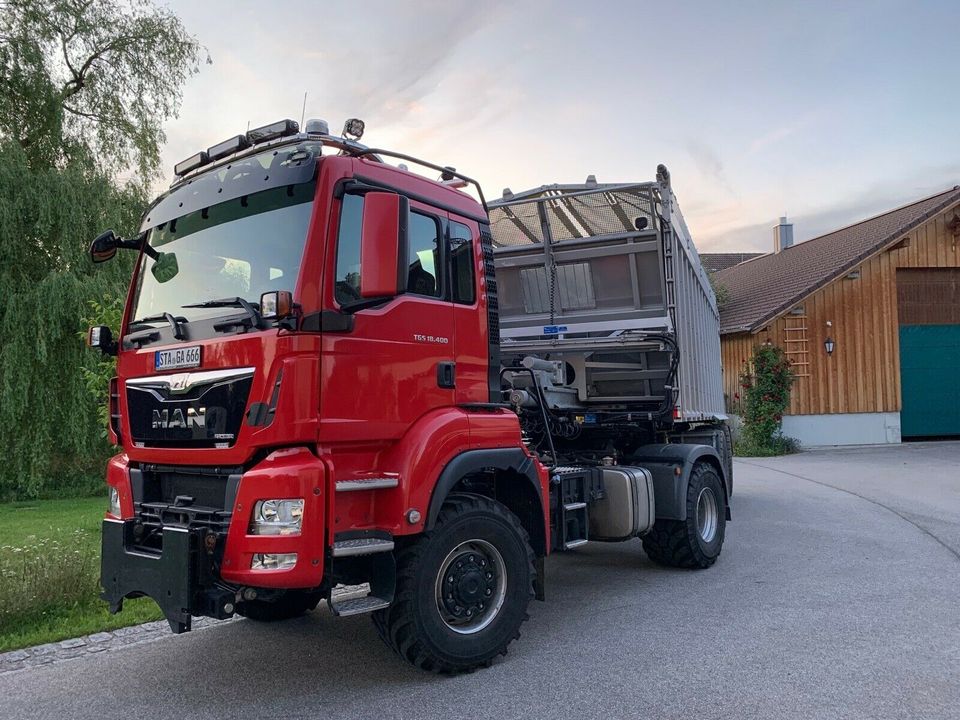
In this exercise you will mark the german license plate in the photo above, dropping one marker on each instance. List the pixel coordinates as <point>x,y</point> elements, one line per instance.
<point>186,357</point>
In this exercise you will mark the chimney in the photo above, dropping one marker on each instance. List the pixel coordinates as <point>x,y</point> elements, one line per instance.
<point>782,235</point>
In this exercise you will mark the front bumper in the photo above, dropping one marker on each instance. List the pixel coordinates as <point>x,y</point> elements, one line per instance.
<point>205,554</point>
<point>179,578</point>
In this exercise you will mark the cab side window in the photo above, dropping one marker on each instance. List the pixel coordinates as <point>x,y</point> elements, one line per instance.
<point>423,258</point>
<point>347,287</point>
<point>462,280</point>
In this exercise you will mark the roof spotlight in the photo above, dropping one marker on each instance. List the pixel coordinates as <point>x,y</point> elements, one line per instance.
<point>353,128</point>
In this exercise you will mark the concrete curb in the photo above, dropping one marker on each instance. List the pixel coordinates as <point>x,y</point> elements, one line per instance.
<point>73,648</point>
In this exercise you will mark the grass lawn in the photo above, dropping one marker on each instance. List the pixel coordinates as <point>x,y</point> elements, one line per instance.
<point>49,574</point>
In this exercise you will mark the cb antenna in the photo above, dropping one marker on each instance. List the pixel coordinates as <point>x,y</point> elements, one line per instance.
<point>303,111</point>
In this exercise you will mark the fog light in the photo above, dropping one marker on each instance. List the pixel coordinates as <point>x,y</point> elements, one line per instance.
<point>114,495</point>
<point>277,517</point>
<point>273,561</point>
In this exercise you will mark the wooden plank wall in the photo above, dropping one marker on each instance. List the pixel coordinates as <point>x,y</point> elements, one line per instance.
<point>928,296</point>
<point>863,374</point>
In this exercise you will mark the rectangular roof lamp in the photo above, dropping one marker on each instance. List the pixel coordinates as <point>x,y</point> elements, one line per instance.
<point>228,147</point>
<point>279,129</point>
<point>191,163</point>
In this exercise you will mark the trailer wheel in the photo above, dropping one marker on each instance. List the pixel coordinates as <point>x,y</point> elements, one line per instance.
<point>462,588</point>
<point>291,604</point>
<point>695,542</point>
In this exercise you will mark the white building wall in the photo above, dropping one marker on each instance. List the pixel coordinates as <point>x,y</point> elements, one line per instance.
<point>843,429</point>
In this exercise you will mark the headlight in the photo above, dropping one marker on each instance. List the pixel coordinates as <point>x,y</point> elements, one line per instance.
<point>114,495</point>
<point>277,517</point>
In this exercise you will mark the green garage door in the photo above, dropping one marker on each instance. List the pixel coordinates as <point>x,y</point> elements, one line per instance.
<point>930,380</point>
<point>929,310</point>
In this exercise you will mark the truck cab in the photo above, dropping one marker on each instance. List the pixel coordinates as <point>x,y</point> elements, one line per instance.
<point>309,404</point>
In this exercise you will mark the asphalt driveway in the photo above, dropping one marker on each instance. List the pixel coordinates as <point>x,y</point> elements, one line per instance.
<point>837,596</point>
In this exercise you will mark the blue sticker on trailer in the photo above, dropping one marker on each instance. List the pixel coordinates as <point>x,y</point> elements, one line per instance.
<point>554,329</point>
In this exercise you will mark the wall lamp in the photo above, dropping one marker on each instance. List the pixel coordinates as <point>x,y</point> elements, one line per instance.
<point>829,344</point>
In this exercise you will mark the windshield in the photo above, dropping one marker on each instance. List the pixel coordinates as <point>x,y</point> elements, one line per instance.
<point>239,248</point>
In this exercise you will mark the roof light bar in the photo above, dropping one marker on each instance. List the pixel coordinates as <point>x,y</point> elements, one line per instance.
<point>228,147</point>
<point>191,163</point>
<point>279,129</point>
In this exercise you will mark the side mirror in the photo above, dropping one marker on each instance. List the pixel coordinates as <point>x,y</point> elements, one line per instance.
<point>104,246</point>
<point>100,337</point>
<point>276,305</point>
<point>380,245</point>
<point>165,267</point>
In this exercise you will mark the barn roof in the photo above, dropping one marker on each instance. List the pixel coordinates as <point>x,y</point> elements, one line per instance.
<point>765,287</point>
<point>714,262</point>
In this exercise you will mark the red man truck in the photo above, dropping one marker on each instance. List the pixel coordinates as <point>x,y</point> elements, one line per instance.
<point>340,380</point>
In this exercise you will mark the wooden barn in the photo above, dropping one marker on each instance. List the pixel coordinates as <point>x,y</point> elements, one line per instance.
<point>869,316</point>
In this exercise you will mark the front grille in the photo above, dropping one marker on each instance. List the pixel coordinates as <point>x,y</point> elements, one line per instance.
<point>188,410</point>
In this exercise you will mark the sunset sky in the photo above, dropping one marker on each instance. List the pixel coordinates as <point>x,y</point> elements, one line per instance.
<point>828,112</point>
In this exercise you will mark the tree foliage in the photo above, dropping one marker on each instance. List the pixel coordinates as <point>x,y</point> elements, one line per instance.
<point>766,386</point>
<point>85,86</point>
<point>91,76</point>
<point>97,372</point>
<point>50,426</point>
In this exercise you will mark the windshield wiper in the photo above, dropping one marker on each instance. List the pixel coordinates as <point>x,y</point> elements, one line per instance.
<point>174,323</point>
<point>252,318</point>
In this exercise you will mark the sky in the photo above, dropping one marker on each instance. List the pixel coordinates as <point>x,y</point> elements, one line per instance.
<point>826,112</point>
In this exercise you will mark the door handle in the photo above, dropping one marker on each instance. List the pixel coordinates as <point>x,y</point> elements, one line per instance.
<point>446,374</point>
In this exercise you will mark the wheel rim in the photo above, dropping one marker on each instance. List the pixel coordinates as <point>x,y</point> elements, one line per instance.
<point>708,516</point>
<point>471,586</point>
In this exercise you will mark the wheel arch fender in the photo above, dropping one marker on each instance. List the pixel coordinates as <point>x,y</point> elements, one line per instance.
<point>670,488</point>
<point>504,461</point>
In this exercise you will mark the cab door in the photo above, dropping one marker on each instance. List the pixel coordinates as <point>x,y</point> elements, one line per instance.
<point>392,363</point>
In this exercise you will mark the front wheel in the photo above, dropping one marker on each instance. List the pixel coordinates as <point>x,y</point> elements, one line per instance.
<point>695,542</point>
<point>462,588</point>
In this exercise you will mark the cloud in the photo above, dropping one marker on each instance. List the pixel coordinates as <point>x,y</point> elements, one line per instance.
<point>879,197</point>
<point>708,163</point>
<point>782,132</point>
<point>413,58</point>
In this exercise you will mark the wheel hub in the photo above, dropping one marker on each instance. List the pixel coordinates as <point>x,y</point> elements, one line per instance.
<point>471,586</point>
<point>708,515</point>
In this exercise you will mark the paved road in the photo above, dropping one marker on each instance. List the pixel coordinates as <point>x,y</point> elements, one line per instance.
<point>826,603</point>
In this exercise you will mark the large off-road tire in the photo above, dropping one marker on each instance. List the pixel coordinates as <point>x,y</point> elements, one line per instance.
<point>695,542</point>
<point>462,588</point>
<point>291,604</point>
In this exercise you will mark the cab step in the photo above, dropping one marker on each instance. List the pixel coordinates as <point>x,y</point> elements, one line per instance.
<point>359,484</point>
<point>361,546</point>
<point>574,488</point>
<point>355,600</point>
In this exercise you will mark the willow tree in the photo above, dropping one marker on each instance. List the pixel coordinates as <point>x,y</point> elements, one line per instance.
<point>85,86</point>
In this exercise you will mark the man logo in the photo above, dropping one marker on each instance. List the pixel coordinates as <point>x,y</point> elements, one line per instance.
<point>166,420</point>
<point>179,383</point>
